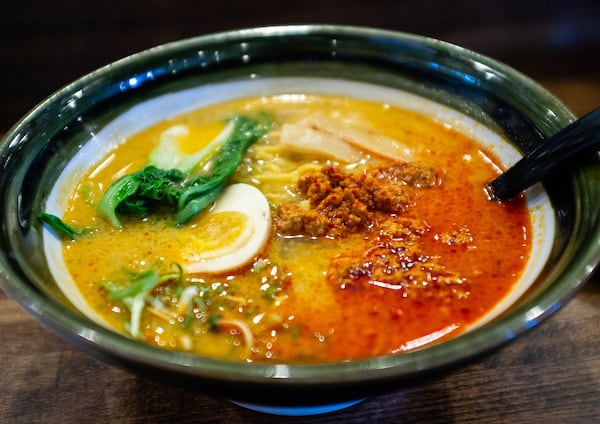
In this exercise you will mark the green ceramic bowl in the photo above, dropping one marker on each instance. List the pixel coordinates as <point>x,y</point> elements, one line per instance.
<point>38,147</point>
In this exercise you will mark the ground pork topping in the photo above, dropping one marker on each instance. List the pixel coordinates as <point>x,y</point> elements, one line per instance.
<point>340,203</point>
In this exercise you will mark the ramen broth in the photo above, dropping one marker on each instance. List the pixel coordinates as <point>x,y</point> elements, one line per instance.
<point>391,270</point>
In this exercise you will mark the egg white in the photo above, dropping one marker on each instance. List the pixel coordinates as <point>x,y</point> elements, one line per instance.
<point>249,201</point>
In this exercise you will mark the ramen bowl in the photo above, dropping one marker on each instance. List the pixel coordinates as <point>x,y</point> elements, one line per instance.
<point>481,96</point>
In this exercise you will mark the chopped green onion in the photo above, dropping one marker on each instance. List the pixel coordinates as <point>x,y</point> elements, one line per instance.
<point>134,296</point>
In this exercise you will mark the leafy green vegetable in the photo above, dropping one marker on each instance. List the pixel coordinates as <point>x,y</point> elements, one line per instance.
<point>196,205</point>
<point>134,296</point>
<point>142,191</point>
<point>60,227</point>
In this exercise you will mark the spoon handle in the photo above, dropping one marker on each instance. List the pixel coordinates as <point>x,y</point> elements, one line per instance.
<point>575,138</point>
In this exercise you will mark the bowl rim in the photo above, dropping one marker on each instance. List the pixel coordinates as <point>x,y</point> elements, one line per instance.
<point>391,367</point>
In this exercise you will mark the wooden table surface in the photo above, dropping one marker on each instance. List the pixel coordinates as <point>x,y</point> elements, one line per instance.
<point>549,375</point>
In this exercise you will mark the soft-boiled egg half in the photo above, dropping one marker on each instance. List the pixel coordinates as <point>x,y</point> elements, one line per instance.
<point>230,234</point>
<point>185,147</point>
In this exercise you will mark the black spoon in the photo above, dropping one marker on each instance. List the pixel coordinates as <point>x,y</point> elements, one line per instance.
<point>582,134</point>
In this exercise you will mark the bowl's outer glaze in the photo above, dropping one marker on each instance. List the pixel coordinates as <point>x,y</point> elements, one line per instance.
<point>38,147</point>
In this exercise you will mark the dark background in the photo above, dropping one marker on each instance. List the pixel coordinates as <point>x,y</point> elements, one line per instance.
<point>46,44</point>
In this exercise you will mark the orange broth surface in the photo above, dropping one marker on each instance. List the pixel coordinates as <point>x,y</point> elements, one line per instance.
<point>306,298</point>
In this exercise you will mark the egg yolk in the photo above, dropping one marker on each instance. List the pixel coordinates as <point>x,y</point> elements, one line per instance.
<point>219,233</point>
<point>199,136</point>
